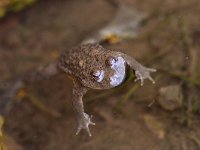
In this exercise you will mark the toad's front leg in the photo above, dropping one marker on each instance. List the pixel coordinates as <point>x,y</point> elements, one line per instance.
<point>84,120</point>
<point>141,72</point>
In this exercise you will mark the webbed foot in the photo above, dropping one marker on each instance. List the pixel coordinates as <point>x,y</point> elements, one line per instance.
<point>84,123</point>
<point>144,73</point>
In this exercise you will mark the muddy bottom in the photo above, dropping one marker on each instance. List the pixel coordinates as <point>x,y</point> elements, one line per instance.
<point>126,118</point>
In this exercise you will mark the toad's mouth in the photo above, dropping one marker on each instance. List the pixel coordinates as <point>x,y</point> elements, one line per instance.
<point>119,67</point>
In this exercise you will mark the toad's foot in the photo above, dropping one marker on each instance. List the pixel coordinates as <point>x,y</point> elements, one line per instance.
<point>84,123</point>
<point>144,73</point>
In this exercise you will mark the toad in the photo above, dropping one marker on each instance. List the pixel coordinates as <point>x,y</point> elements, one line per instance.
<point>93,67</point>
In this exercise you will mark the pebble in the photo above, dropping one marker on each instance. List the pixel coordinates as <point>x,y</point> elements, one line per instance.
<point>170,97</point>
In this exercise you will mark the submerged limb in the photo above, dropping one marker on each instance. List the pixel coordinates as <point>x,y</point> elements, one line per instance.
<point>141,72</point>
<point>84,120</point>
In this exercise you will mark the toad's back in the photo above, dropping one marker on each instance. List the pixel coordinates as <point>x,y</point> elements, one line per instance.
<point>82,60</point>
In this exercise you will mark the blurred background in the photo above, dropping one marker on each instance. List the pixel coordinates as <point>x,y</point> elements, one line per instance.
<point>159,34</point>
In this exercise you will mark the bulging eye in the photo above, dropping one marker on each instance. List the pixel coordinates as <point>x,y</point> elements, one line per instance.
<point>98,75</point>
<point>111,60</point>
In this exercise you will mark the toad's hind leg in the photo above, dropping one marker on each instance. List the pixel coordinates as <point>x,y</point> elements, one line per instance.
<point>84,120</point>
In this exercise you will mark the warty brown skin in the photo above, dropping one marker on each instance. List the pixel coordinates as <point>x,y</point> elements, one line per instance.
<point>93,67</point>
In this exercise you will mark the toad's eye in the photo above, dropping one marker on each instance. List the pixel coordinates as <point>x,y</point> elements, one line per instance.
<point>111,60</point>
<point>98,75</point>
